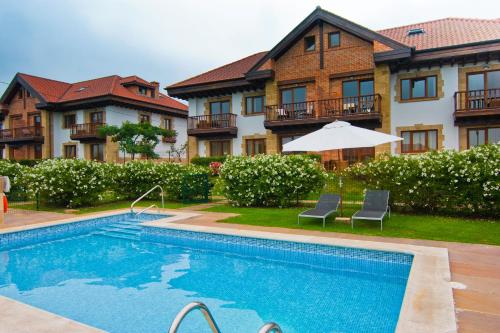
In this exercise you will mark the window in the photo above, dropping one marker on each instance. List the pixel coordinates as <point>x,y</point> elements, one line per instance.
<point>38,151</point>
<point>255,146</point>
<point>219,107</point>
<point>418,141</point>
<point>97,152</point>
<point>333,39</point>
<point>219,148</point>
<point>422,87</point>
<point>255,104</point>
<point>35,120</point>
<point>20,93</point>
<point>415,31</point>
<point>286,139</point>
<point>167,123</point>
<point>145,119</point>
<point>96,117</point>
<point>310,43</point>
<point>143,90</point>
<point>293,95</point>
<point>70,151</point>
<point>481,136</point>
<point>69,120</point>
<point>28,94</point>
<point>357,88</point>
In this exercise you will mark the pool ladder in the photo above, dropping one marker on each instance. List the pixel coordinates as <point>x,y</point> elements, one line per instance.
<point>144,195</point>
<point>267,328</point>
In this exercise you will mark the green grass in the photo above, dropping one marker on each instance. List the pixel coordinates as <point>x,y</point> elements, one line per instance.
<point>452,229</point>
<point>102,207</point>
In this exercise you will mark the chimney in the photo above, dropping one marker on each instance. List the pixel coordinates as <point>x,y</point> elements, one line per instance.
<point>156,93</point>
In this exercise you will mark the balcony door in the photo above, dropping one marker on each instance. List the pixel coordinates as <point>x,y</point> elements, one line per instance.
<point>96,117</point>
<point>357,96</point>
<point>483,90</point>
<point>219,112</point>
<point>293,103</point>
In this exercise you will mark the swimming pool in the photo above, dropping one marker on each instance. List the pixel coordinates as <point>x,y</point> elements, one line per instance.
<point>113,274</point>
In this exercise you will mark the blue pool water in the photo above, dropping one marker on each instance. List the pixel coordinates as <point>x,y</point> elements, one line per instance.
<point>112,274</point>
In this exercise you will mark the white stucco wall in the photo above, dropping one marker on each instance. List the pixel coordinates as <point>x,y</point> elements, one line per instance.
<point>246,125</point>
<point>115,115</point>
<point>435,112</point>
<point>61,135</point>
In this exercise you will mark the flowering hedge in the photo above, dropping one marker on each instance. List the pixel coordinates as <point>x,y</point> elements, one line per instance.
<point>447,181</point>
<point>270,180</point>
<point>134,178</point>
<point>69,182</point>
<point>17,175</point>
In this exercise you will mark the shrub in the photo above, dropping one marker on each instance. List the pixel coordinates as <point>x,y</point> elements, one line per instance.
<point>18,181</point>
<point>446,181</point>
<point>270,180</point>
<point>205,161</point>
<point>70,182</point>
<point>29,163</point>
<point>134,178</point>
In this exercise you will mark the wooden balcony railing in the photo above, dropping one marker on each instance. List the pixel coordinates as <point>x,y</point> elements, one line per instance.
<point>477,100</point>
<point>337,108</point>
<point>85,131</point>
<point>212,121</point>
<point>28,133</point>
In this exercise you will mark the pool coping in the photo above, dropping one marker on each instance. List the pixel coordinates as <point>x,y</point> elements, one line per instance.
<point>428,301</point>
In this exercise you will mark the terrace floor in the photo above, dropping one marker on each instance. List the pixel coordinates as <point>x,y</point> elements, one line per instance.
<point>473,265</point>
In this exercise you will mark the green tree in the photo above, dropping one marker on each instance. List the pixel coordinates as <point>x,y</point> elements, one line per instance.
<point>135,139</point>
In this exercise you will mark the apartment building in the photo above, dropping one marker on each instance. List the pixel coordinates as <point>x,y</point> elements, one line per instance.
<point>44,118</point>
<point>436,84</point>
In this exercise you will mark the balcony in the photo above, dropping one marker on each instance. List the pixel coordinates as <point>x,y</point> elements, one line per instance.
<point>88,132</point>
<point>215,125</point>
<point>362,110</point>
<point>477,106</point>
<point>22,135</point>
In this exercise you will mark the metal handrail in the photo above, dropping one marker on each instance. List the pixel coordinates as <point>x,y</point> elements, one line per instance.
<point>187,309</point>
<point>270,327</point>
<point>145,209</point>
<point>145,194</point>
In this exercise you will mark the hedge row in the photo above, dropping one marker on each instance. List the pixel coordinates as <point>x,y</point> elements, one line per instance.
<point>270,180</point>
<point>75,183</point>
<point>445,181</point>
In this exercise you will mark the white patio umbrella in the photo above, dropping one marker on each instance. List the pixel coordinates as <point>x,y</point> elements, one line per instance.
<point>339,135</point>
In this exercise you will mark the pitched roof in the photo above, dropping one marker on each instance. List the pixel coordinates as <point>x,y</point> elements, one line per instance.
<point>59,92</point>
<point>438,33</point>
<point>231,71</point>
<point>446,32</point>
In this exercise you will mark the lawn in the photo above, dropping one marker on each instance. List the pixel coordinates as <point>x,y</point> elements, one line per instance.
<point>452,229</point>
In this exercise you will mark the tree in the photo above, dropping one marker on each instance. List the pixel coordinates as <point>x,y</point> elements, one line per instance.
<point>177,152</point>
<point>135,139</point>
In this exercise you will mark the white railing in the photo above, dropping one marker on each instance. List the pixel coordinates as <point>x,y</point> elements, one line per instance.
<point>145,194</point>
<point>267,328</point>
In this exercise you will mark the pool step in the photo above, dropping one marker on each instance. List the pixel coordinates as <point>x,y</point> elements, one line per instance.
<point>120,235</point>
<point>128,229</point>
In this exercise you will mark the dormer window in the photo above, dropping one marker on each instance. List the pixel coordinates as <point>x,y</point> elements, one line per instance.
<point>310,43</point>
<point>415,31</point>
<point>143,91</point>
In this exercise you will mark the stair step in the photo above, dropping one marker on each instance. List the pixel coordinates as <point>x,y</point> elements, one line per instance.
<point>125,226</point>
<point>117,235</point>
<point>120,230</point>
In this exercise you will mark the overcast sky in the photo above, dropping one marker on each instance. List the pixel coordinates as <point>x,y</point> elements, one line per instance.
<point>168,41</point>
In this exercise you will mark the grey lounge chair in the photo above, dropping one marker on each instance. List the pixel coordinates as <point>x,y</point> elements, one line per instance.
<point>375,206</point>
<point>326,205</point>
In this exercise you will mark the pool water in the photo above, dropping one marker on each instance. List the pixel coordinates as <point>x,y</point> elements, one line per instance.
<point>129,285</point>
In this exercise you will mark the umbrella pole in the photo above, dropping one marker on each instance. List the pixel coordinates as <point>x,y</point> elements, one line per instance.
<point>341,199</point>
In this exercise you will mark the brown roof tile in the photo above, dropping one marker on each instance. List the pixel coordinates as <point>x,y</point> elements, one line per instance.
<point>446,32</point>
<point>58,92</point>
<point>234,70</point>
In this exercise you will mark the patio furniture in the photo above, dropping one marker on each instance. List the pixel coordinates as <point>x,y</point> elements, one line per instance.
<point>375,206</point>
<point>327,204</point>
